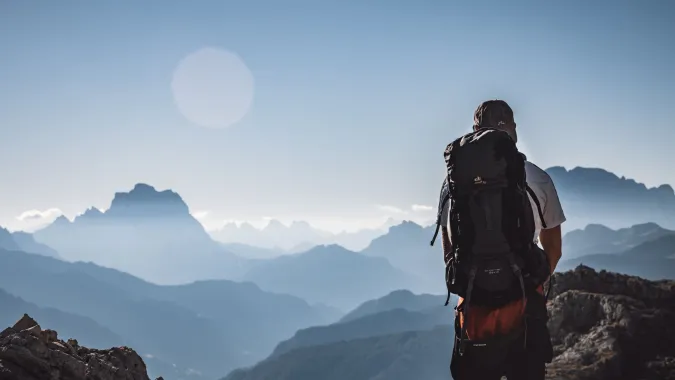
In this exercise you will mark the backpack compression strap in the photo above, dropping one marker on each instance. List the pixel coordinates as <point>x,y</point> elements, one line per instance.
<point>445,196</point>
<point>536,202</point>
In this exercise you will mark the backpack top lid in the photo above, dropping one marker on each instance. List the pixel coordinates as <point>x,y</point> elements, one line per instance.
<point>480,159</point>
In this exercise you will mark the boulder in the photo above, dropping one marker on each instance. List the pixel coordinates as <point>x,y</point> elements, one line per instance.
<point>29,353</point>
<point>606,325</point>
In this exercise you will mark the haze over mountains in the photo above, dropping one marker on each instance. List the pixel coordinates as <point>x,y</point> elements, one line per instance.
<point>596,238</point>
<point>297,237</point>
<point>145,273</point>
<point>596,196</point>
<point>589,196</point>
<point>652,259</point>
<point>399,336</point>
<point>147,233</point>
<point>331,275</point>
<point>164,322</point>
<point>603,326</point>
<point>24,241</point>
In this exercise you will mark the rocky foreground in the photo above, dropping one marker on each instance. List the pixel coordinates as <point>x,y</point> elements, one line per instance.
<point>29,353</point>
<point>610,326</point>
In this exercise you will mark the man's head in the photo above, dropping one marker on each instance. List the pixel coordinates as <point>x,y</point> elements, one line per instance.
<point>495,114</point>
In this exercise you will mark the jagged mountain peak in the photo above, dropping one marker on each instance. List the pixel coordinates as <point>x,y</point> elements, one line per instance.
<point>406,225</point>
<point>593,176</point>
<point>145,200</point>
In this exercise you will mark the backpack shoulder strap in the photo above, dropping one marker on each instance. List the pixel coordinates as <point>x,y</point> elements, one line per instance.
<point>443,199</point>
<point>536,202</point>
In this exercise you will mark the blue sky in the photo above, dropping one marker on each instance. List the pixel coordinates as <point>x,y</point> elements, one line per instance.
<point>353,100</point>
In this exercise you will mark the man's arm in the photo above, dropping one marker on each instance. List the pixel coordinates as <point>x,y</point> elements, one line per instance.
<point>551,237</point>
<point>551,242</point>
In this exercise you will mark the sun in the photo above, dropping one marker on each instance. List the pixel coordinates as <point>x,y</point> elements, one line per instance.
<point>213,88</point>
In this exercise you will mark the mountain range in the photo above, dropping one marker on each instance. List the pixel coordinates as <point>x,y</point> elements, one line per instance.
<point>597,196</point>
<point>603,326</point>
<point>398,299</point>
<point>653,259</point>
<point>297,237</point>
<point>406,246</point>
<point>331,275</point>
<point>145,273</point>
<point>596,238</point>
<point>151,234</point>
<point>394,313</point>
<point>399,336</point>
<point>147,233</point>
<point>165,323</point>
<point>588,195</point>
<point>646,250</point>
<point>24,241</point>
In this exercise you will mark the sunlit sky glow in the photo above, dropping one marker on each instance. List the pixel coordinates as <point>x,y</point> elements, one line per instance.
<point>335,111</point>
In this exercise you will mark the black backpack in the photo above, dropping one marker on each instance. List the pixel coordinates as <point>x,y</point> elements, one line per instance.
<point>494,258</point>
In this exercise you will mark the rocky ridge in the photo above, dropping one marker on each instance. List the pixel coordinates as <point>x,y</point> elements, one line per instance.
<point>27,352</point>
<point>606,325</point>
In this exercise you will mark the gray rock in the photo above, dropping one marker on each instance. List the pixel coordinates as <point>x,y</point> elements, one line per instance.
<point>24,323</point>
<point>29,353</point>
<point>609,326</point>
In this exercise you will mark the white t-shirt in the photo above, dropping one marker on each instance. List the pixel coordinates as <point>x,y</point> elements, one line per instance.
<point>542,185</point>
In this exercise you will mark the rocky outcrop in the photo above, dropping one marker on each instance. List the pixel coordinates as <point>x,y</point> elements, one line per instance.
<point>606,325</point>
<point>29,353</point>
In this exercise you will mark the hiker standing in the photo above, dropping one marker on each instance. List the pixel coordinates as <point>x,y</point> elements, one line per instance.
<point>495,207</point>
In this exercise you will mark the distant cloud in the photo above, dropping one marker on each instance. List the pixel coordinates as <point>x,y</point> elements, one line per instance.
<point>390,209</point>
<point>32,220</point>
<point>421,208</point>
<point>37,215</point>
<point>200,214</point>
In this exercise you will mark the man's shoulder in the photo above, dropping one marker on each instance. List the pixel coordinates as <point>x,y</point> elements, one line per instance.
<point>535,174</point>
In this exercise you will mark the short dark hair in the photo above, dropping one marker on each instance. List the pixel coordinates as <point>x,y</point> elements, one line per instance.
<point>492,113</point>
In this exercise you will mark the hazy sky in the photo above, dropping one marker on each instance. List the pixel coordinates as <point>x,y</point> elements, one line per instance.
<point>351,101</point>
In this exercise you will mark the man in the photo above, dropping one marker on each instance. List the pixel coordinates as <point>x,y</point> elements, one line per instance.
<point>526,355</point>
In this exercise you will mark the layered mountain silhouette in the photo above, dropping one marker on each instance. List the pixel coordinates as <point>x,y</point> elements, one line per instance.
<point>654,259</point>
<point>589,196</point>
<point>396,312</point>
<point>330,275</point>
<point>603,326</point>
<point>147,233</point>
<point>394,337</point>
<point>253,252</point>
<point>24,241</point>
<point>299,236</point>
<point>408,355</point>
<point>406,246</point>
<point>203,328</point>
<point>645,250</point>
<point>596,238</point>
<point>7,240</point>
<point>398,299</point>
<point>596,196</point>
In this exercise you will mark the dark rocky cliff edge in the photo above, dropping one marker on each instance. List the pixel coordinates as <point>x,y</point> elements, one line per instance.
<point>606,325</point>
<point>29,353</point>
